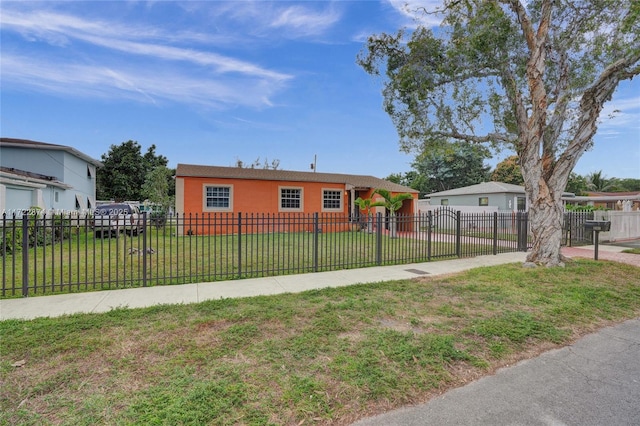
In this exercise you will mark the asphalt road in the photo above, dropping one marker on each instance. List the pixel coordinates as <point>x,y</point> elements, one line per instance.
<point>596,381</point>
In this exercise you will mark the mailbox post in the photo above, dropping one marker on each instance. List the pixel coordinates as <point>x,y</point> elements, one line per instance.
<point>596,226</point>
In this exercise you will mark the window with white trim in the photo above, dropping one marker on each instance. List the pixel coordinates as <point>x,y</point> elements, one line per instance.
<point>290,198</point>
<point>218,197</point>
<point>444,202</point>
<point>483,201</point>
<point>332,199</point>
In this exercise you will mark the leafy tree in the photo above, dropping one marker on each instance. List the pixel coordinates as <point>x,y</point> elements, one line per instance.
<point>451,165</point>
<point>393,203</point>
<point>366,204</point>
<point>259,164</point>
<point>398,178</point>
<point>156,187</point>
<point>628,184</point>
<point>576,184</point>
<point>413,179</point>
<point>531,75</point>
<point>596,181</point>
<point>125,171</point>
<point>508,171</point>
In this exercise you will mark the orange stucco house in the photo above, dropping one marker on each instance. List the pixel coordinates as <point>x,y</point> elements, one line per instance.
<point>211,189</point>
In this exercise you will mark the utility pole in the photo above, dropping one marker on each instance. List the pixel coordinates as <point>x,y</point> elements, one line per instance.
<point>313,165</point>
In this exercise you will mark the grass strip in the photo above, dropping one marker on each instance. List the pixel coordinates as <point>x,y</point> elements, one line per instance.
<point>325,356</point>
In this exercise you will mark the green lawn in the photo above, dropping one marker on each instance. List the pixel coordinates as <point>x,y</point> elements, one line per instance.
<point>321,357</point>
<point>85,263</point>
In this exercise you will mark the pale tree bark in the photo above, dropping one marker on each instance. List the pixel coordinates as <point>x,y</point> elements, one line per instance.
<point>554,69</point>
<point>536,157</point>
<point>546,174</point>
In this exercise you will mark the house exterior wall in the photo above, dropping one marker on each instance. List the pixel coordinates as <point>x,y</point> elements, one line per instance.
<point>256,196</point>
<point>43,161</point>
<point>19,198</point>
<point>80,175</point>
<point>503,201</point>
<point>262,197</point>
<point>73,171</point>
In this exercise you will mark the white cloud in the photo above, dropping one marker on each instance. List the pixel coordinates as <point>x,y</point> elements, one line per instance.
<point>303,21</point>
<point>133,61</point>
<point>620,114</point>
<point>142,85</point>
<point>114,36</point>
<point>419,12</point>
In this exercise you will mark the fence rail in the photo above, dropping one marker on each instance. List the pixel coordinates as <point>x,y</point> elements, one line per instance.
<point>43,254</point>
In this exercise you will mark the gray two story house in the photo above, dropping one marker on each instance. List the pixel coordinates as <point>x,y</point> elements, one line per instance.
<point>47,176</point>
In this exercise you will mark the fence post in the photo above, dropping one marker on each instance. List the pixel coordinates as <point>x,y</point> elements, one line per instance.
<point>316,231</point>
<point>25,255</point>
<point>239,245</point>
<point>525,232</point>
<point>521,219</point>
<point>144,248</point>
<point>379,238</point>
<point>495,233</point>
<point>458,234</point>
<point>429,226</point>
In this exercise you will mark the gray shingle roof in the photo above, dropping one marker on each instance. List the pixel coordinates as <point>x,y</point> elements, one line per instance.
<point>481,188</point>
<point>358,181</point>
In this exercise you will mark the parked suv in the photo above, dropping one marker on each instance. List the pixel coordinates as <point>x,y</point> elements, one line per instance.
<point>112,219</point>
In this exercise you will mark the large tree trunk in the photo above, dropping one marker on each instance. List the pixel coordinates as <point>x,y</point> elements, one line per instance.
<point>545,220</point>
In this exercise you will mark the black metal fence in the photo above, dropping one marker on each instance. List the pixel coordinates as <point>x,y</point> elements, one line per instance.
<point>43,254</point>
<point>574,229</point>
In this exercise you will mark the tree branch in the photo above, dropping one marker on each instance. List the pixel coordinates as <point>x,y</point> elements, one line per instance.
<point>592,103</point>
<point>489,137</point>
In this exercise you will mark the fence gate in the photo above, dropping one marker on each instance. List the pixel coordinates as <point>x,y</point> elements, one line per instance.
<point>573,229</point>
<point>444,228</point>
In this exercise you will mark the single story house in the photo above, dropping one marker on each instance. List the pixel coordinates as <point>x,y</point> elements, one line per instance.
<point>47,176</point>
<point>204,189</point>
<point>625,201</point>
<point>486,196</point>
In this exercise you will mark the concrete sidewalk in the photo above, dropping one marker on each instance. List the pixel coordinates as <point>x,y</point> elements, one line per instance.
<point>103,301</point>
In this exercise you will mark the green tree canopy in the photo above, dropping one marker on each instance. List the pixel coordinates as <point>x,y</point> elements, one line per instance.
<point>452,165</point>
<point>508,171</point>
<point>627,184</point>
<point>577,184</point>
<point>157,186</point>
<point>531,75</point>
<point>413,179</point>
<point>596,181</point>
<point>125,171</point>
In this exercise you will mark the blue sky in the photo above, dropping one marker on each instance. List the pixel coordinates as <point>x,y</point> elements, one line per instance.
<point>213,82</point>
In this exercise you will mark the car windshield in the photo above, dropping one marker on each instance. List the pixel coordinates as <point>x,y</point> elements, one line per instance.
<point>113,209</point>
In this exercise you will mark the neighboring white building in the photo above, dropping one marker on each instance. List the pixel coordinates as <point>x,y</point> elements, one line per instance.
<point>489,196</point>
<point>47,176</point>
